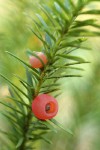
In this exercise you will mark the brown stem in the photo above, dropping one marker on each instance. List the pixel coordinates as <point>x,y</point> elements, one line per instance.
<point>26,128</point>
<point>29,116</point>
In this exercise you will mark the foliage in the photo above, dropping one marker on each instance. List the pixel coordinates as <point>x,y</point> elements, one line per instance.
<point>61,35</point>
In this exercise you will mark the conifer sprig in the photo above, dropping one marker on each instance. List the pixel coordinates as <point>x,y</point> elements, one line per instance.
<point>62,34</point>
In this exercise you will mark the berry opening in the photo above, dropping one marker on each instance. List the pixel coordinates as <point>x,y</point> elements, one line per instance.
<point>47,108</point>
<point>50,107</point>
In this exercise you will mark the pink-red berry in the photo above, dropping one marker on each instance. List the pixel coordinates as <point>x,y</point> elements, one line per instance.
<point>35,62</point>
<point>44,107</point>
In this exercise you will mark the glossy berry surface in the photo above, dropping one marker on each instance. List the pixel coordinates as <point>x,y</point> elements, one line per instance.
<point>44,107</point>
<point>35,62</point>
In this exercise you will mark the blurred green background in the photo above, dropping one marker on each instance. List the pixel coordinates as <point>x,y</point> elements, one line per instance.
<point>80,99</point>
